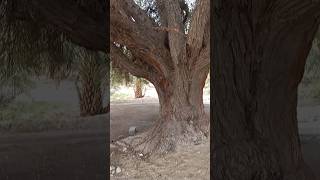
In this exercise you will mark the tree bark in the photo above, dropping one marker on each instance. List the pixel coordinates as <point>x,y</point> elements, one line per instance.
<point>182,116</point>
<point>259,53</point>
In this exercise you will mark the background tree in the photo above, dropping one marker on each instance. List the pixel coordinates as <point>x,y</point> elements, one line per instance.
<point>90,81</point>
<point>120,76</point>
<point>259,50</point>
<point>174,57</point>
<point>139,88</point>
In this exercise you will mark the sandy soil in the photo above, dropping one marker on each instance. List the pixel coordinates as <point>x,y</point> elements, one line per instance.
<point>188,162</point>
<point>191,162</point>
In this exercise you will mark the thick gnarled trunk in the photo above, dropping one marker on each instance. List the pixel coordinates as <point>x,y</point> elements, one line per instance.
<point>182,116</point>
<point>258,63</point>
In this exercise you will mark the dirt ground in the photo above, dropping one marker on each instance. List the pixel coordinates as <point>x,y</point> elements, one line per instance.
<point>71,154</point>
<point>188,162</point>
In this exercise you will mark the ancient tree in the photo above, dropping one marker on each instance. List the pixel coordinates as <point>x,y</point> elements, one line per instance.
<point>173,54</point>
<point>259,52</point>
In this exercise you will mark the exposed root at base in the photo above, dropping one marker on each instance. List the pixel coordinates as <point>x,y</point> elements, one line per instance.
<point>163,138</point>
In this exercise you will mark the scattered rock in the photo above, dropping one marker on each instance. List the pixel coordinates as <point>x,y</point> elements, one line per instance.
<point>119,143</point>
<point>132,130</point>
<point>196,141</point>
<point>112,170</point>
<point>118,170</point>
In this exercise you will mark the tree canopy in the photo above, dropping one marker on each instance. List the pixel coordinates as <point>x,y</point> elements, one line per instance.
<point>158,41</point>
<point>83,22</point>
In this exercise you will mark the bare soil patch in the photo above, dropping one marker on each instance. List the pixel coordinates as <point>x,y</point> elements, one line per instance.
<point>188,162</point>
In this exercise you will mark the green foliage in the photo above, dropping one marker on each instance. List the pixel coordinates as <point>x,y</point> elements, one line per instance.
<point>119,77</point>
<point>29,47</point>
<point>312,68</point>
<point>26,49</point>
<point>310,85</point>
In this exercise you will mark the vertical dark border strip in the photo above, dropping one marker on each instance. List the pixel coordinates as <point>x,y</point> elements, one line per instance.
<point>211,90</point>
<point>108,91</point>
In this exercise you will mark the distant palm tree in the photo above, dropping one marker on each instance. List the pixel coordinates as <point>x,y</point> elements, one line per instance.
<point>89,82</point>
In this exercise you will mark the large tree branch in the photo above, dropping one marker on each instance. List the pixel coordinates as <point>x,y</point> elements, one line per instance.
<point>203,60</point>
<point>198,26</point>
<point>177,40</point>
<point>129,64</point>
<point>161,10</point>
<point>131,27</point>
<point>86,28</point>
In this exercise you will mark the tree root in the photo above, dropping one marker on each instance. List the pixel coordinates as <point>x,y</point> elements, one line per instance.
<point>164,138</point>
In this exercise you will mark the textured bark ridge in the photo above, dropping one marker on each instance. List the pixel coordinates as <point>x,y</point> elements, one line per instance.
<point>182,120</point>
<point>260,49</point>
<point>175,62</point>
